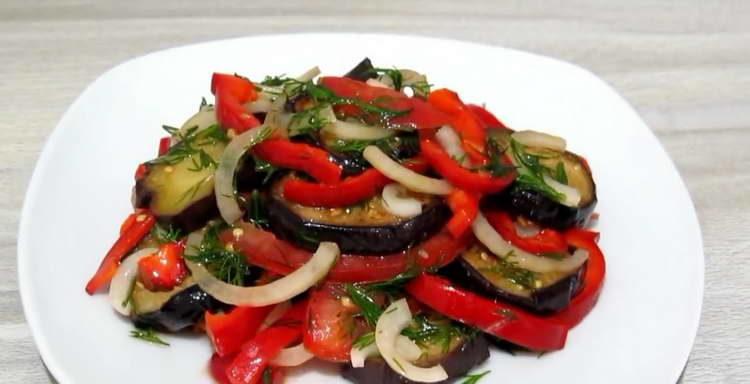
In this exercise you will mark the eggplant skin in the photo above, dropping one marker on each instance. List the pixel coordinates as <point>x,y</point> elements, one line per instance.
<point>362,71</point>
<point>549,299</point>
<point>539,208</point>
<point>189,219</point>
<point>181,311</point>
<point>457,364</point>
<point>368,240</point>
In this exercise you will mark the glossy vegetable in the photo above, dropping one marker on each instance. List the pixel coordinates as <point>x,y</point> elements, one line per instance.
<point>465,123</point>
<point>544,241</point>
<point>496,318</point>
<point>122,282</point>
<point>229,330</point>
<point>360,235</point>
<point>299,156</point>
<point>330,324</point>
<point>465,207</point>
<point>140,224</point>
<point>172,311</point>
<point>403,175</point>
<point>164,269</point>
<point>232,91</point>
<point>362,71</point>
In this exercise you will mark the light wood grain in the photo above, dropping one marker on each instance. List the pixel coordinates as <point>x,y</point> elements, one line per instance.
<point>684,65</point>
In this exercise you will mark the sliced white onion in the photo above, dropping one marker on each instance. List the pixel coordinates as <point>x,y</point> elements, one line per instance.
<point>449,140</point>
<point>359,355</point>
<point>497,245</point>
<point>122,282</point>
<point>572,196</point>
<point>378,83</point>
<point>390,324</point>
<point>407,349</point>
<point>264,103</point>
<point>292,356</point>
<point>527,230</point>
<point>276,313</point>
<point>348,130</point>
<point>399,205</point>
<point>404,347</point>
<point>309,74</point>
<point>406,177</point>
<point>272,293</point>
<point>539,139</point>
<point>224,179</point>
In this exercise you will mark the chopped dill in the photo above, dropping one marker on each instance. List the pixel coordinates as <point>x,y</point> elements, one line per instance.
<point>510,270</point>
<point>148,335</point>
<point>226,264</point>
<point>165,234</point>
<point>474,378</point>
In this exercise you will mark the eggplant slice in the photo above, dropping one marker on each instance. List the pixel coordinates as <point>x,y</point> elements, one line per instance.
<point>173,310</point>
<point>362,71</point>
<point>469,352</point>
<point>367,228</point>
<point>535,205</point>
<point>479,270</point>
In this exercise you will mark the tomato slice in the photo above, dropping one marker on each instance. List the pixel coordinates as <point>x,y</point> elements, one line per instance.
<point>264,249</point>
<point>331,327</point>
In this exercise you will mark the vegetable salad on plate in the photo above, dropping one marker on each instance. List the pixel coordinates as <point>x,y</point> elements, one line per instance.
<point>371,220</point>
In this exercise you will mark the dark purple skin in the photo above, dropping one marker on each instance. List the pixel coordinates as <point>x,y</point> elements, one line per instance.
<point>539,208</point>
<point>183,310</point>
<point>191,218</point>
<point>369,240</point>
<point>456,364</point>
<point>545,300</point>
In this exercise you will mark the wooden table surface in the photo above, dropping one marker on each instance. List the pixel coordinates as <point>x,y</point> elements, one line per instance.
<point>684,65</point>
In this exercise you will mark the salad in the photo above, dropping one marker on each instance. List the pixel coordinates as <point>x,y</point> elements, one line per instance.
<point>368,220</point>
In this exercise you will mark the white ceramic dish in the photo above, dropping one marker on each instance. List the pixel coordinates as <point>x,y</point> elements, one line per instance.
<point>640,332</point>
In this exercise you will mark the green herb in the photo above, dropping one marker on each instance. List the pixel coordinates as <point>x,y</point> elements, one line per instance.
<point>560,174</point>
<point>129,297</point>
<point>168,234</point>
<point>431,331</point>
<point>268,375</point>
<point>147,334</point>
<point>395,360</point>
<point>190,193</point>
<point>395,283</point>
<point>394,74</point>
<point>370,309</point>
<point>203,103</point>
<point>263,166</point>
<point>420,88</point>
<point>474,378</point>
<point>308,237</point>
<point>190,147</point>
<point>511,271</point>
<point>365,340</point>
<point>496,165</point>
<point>255,209</point>
<point>227,265</point>
<point>531,172</point>
<point>555,255</point>
<point>274,81</point>
<point>309,121</point>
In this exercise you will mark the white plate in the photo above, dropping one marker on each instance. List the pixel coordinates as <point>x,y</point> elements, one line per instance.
<point>640,332</point>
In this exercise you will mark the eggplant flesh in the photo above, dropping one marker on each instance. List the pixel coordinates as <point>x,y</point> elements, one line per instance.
<point>364,229</point>
<point>363,71</point>
<point>479,270</point>
<point>175,310</point>
<point>470,352</point>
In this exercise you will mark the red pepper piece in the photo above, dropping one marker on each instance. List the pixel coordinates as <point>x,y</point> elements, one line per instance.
<point>141,171</point>
<point>253,359</point>
<point>312,160</point>
<point>228,331</point>
<point>465,207</point>
<point>218,367</point>
<point>496,318</point>
<point>467,125</point>
<point>593,280</point>
<point>477,182</point>
<point>142,223</point>
<point>164,144</point>
<point>164,269</point>
<point>231,93</point>
<point>417,112</point>
<point>485,117</point>
<point>348,192</point>
<point>546,241</point>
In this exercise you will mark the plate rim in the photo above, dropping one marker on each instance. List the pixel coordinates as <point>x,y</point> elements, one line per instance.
<point>23,256</point>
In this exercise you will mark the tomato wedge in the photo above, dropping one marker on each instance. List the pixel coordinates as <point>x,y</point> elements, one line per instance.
<point>415,111</point>
<point>330,326</point>
<point>546,241</point>
<point>264,249</point>
<point>505,321</point>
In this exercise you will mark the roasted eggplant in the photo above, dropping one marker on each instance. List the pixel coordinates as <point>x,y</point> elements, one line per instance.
<point>367,228</point>
<point>172,310</point>
<point>479,270</point>
<point>362,71</point>
<point>463,354</point>
<point>178,187</point>
<point>537,206</point>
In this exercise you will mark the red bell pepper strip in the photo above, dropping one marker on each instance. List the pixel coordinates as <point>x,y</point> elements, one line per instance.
<point>312,160</point>
<point>253,359</point>
<point>465,207</point>
<point>496,318</point>
<point>545,241</point>
<point>477,182</point>
<point>415,112</point>
<point>593,280</point>
<point>164,269</point>
<point>348,192</point>
<point>218,367</point>
<point>228,331</point>
<point>141,171</point>
<point>164,144</point>
<point>467,125</point>
<point>485,117</point>
<point>141,226</point>
<point>231,93</point>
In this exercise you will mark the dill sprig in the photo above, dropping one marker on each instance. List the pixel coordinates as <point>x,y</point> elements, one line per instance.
<point>474,378</point>
<point>397,78</point>
<point>168,234</point>
<point>148,335</point>
<point>531,172</point>
<point>510,270</point>
<point>190,146</point>
<point>496,166</point>
<point>364,340</point>
<point>226,264</point>
<point>309,121</point>
<point>256,212</point>
<point>371,311</point>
